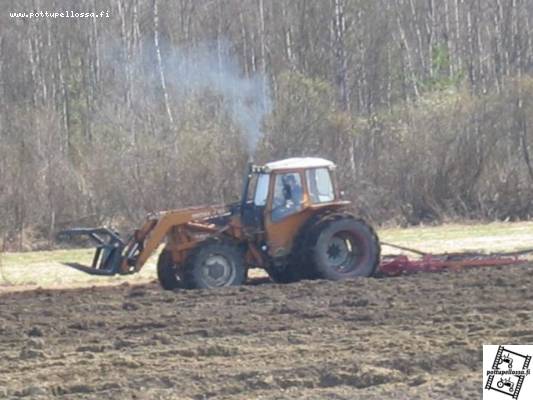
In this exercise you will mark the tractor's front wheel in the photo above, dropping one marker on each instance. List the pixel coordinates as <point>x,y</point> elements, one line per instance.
<point>167,272</point>
<point>214,263</point>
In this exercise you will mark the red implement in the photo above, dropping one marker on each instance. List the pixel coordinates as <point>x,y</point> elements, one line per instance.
<point>401,264</point>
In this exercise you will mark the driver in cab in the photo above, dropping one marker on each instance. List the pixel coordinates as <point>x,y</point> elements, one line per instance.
<point>291,200</point>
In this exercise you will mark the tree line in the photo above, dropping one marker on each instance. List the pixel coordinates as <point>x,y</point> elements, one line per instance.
<point>425,105</point>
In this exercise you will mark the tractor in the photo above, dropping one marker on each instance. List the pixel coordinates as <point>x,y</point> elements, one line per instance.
<point>506,383</point>
<point>506,359</point>
<point>291,221</point>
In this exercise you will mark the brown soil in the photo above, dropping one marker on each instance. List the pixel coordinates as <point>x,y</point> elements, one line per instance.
<point>414,337</point>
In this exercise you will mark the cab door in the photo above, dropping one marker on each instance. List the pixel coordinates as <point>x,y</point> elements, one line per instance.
<point>254,207</point>
<point>286,212</point>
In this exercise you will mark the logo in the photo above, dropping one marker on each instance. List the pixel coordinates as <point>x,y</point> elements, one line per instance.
<point>507,373</point>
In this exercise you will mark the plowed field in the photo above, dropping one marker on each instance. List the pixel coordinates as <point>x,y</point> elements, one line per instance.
<point>411,337</point>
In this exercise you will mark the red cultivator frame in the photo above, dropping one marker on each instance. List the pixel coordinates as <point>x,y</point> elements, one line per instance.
<point>395,265</point>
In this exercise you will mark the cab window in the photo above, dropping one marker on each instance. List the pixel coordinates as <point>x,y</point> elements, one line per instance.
<point>319,184</point>
<point>261,190</point>
<point>288,194</point>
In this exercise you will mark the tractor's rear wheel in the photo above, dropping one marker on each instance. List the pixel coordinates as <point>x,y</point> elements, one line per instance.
<point>214,263</point>
<point>342,247</point>
<point>167,272</point>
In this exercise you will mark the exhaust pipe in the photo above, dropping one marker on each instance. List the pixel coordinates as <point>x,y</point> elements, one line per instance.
<point>246,184</point>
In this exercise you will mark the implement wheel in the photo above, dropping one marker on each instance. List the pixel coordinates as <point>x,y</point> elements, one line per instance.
<point>342,247</point>
<point>213,264</point>
<point>167,272</point>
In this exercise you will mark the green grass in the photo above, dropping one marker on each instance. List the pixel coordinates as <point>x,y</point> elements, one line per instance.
<point>45,268</point>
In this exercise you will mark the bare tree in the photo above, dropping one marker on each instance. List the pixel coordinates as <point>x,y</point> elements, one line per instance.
<point>424,105</point>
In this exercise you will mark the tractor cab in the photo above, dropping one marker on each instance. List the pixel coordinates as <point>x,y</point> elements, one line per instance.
<point>280,196</point>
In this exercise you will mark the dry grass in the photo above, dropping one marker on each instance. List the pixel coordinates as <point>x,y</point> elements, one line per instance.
<point>45,268</point>
<point>492,237</point>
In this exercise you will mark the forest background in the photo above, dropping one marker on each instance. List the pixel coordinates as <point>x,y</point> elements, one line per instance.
<point>425,105</point>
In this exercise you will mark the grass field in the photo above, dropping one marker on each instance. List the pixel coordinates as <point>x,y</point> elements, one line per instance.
<point>45,269</point>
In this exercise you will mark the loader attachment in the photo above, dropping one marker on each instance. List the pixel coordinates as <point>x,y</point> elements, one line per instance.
<point>109,247</point>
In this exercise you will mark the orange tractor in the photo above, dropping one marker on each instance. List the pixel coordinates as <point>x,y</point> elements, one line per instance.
<point>291,221</point>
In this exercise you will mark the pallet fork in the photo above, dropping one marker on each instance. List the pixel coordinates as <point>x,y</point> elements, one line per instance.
<point>108,257</point>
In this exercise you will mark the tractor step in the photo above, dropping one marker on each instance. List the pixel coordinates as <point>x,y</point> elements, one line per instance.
<point>108,257</point>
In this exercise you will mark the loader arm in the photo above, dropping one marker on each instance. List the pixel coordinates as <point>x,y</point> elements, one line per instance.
<point>113,256</point>
<point>149,237</point>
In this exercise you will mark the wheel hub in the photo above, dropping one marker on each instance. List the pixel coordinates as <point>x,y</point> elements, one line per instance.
<point>217,270</point>
<point>343,253</point>
<point>337,251</point>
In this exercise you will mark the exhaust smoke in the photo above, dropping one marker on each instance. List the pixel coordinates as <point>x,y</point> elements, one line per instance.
<point>247,99</point>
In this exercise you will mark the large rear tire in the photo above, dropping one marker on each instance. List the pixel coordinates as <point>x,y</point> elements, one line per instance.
<point>342,247</point>
<point>214,263</point>
<point>167,272</point>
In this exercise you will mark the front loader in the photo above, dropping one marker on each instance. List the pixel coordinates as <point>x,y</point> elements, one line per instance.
<point>290,221</point>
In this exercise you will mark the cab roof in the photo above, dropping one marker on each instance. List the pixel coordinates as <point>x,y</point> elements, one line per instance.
<point>299,163</point>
